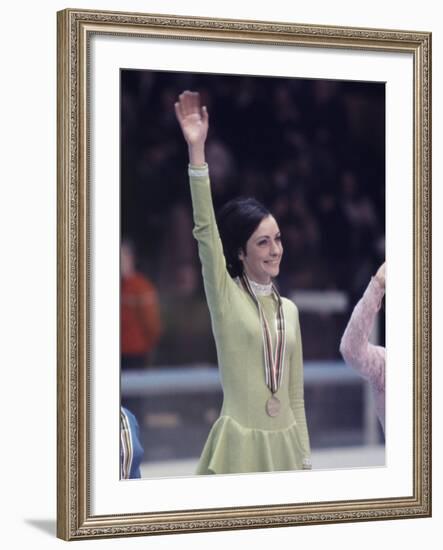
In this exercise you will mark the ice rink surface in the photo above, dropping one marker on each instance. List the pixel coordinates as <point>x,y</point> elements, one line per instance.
<point>322,459</point>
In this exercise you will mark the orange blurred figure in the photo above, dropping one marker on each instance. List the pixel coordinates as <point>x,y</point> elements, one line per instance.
<point>140,322</point>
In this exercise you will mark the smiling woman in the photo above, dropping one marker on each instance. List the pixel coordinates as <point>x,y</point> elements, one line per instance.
<point>251,239</point>
<point>262,424</point>
<point>261,260</point>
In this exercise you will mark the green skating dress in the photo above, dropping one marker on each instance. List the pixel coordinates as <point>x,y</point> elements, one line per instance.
<point>244,438</point>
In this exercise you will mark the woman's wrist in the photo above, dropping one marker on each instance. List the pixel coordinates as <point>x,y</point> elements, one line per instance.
<point>380,276</point>
<point>197,155</point>
<point>380,280</point>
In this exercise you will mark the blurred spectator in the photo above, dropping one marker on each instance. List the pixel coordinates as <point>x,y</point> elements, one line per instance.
<point>335,236</point>
<point>222,166</point>
<point>187,334</point>
<point>359,212</point>
<point>141,325</point>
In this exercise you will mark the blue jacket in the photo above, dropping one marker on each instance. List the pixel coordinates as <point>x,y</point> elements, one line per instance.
<point>131,450</point>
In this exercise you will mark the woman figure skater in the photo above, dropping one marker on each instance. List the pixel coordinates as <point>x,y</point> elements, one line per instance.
<point>366,358</point>
<point>262,424</point>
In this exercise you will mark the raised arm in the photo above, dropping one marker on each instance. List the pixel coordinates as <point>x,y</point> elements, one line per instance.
<point>193,120</point>
<point>355,347</point>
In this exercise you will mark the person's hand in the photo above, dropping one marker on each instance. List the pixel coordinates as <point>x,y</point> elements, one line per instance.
<point>193,120</point>
<point>381,274</point>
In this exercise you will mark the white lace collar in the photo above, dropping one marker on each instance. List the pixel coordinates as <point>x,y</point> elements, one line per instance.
<point>258,288</point>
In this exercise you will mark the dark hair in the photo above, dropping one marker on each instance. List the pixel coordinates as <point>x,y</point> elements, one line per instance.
<point>236,222</point>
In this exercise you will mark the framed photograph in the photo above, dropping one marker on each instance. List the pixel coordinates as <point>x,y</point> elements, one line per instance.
<point>162,122</point>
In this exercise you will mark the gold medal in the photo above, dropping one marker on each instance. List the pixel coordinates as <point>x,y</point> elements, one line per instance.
<point>273,406</point>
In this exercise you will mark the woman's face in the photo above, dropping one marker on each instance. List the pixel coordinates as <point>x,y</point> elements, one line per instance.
<point>264,250</point>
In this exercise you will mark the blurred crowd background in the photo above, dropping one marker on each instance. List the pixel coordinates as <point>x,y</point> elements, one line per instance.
<point>313,151</point>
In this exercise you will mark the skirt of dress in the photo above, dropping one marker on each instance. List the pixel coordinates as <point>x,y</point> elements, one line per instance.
<point>232,448</point>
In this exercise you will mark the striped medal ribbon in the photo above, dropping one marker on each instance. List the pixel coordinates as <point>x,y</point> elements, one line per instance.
<point>274,359</point>
<point>126,447</point>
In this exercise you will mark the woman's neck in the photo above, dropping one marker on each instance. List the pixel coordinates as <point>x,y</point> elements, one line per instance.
<point>261,289</point>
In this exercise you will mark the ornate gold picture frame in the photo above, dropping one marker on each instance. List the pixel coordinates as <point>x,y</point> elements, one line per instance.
<point>78,517</point>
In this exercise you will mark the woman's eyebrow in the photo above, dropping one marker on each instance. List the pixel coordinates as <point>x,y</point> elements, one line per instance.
<point>278,234</point>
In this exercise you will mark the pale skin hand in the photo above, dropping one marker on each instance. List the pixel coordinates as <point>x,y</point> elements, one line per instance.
<point>381,274</point>
<point>194,122</point>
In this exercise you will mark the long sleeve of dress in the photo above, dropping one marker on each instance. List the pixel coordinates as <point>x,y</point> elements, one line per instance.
<point>296,396</point>
<point>215,275</point>
<point>366,358</point>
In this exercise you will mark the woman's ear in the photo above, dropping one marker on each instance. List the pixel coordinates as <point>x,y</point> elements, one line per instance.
<point>241,255</point>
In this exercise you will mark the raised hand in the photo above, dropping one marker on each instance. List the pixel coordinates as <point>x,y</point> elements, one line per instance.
<point>193,120</point>
<point>381,274</point>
